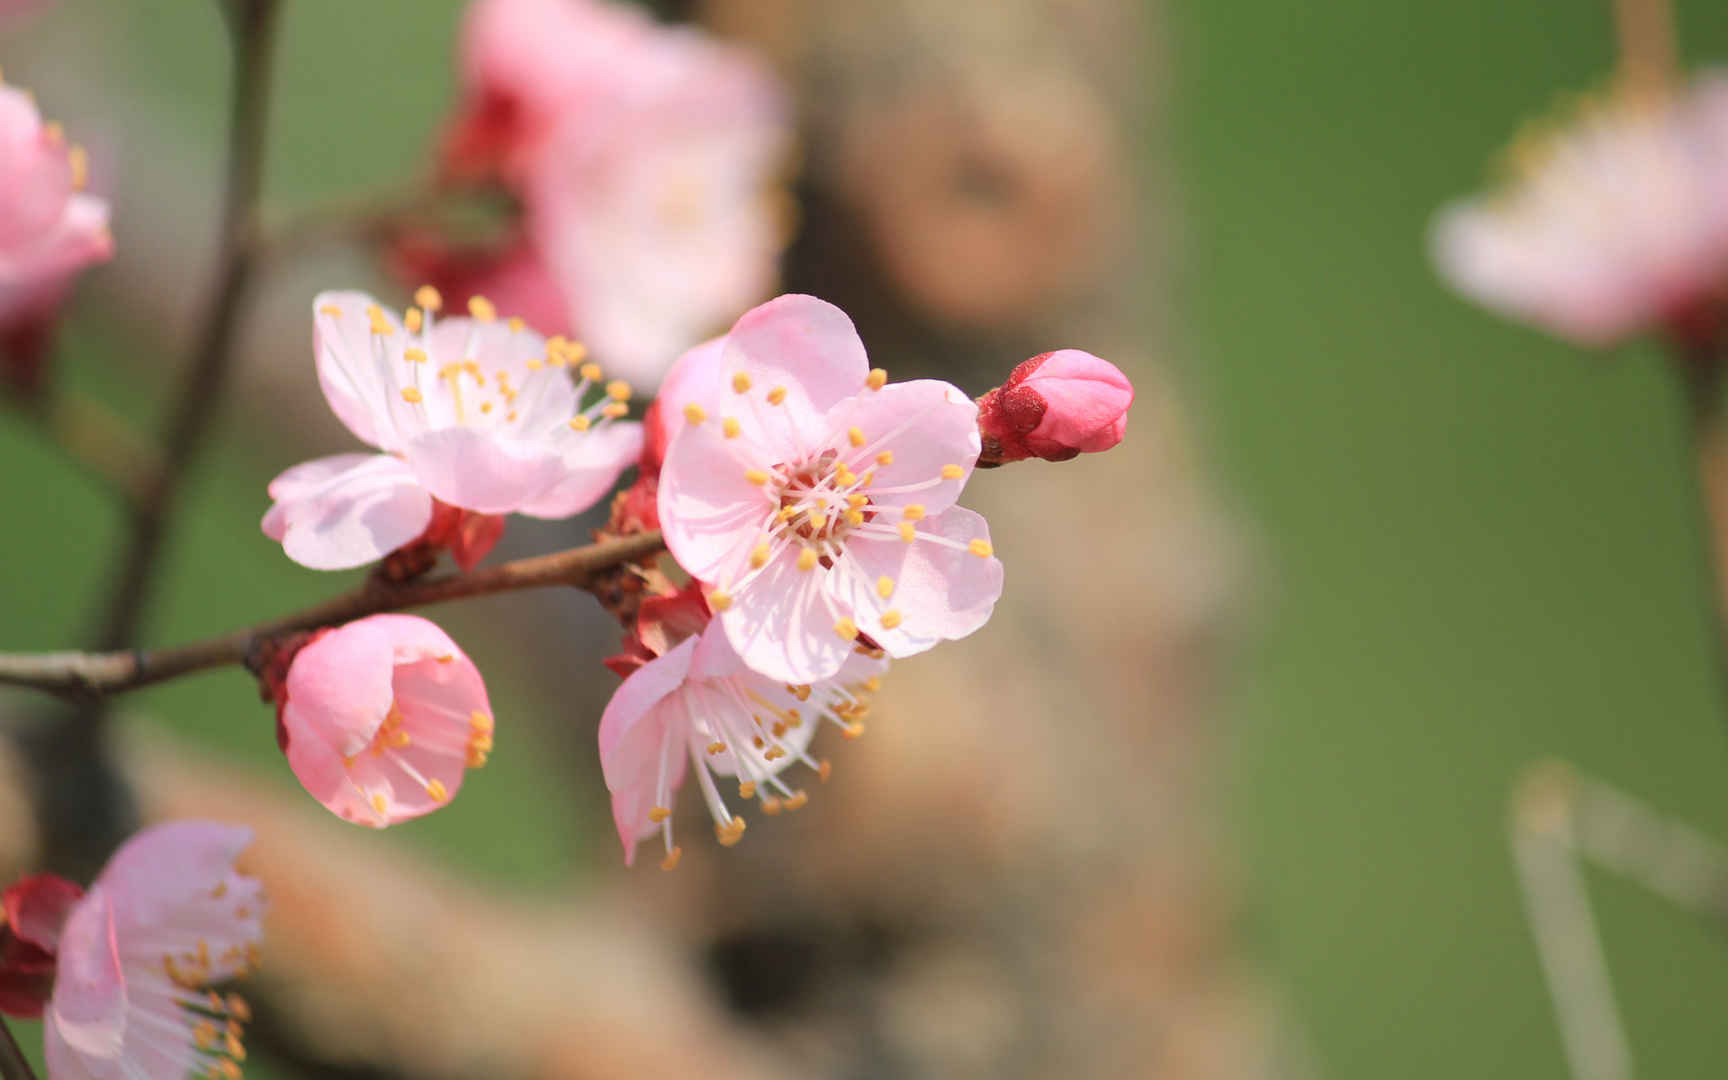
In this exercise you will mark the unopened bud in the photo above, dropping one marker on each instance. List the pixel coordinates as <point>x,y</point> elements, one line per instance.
<point>1055,406</point>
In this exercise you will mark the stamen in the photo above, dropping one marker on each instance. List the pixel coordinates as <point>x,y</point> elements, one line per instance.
<point>952,472</point>
<point>807,559</point>
<point>847,629</point>
<point>716,748</point>
<point>980,548</point>
<point>331,310</point>
<point>615,410</point>
<point>857,501</point>
<point>877,379</point>
<point>756,476</point>
<point>729,427</point>
<point>890,619</point>
<point>411,395</point>
<point>824,769</point>
<point>798,800</point>
<point>437,790</point>
<point>771,806</point>
<point>818,519</point>
<point>581,423</point>
<point>380,325</point>
<point>427,297</point>
<point>591,372</point>
<point>413,320</point>
<point>908,531</point>
<point>380,803</point>
<point>657,814</point>
<point>854,517</point>
<point>747,789</point>
<point>414,356</point>
<point>79,161</point>
<point>670,862</point>
<point>884,586</point>
<point>729,835</point>
<point>777,395</point>
<point>618,390</point>
<point>913,512</point>
<point>482,309</point>
<point>759,557</point>
<point>719,600</point>
<point>694,413</point>
<point>855,436</point>
<point>886,457</point>
<point>740,382</point>
<point>516,324</point>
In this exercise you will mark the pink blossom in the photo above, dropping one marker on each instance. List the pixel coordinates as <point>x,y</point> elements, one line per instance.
<point>645,158</point>
<point>479,412</point>
<point>692,701</point>
<point>818,501</point>
<point>1611,226</point>
<point>49,229</point>
<point>1056,406</point>
<point>167,916</point>
<point>382,717</point>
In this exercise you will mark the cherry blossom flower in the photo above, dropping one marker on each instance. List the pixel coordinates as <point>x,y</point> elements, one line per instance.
<point>381,719</point>
<point>1610,226</point>
<point>1056,406</point>
<point>689,702</point>
<point>480,413</point>
<point>818,501</point>
<point>647,159</point>
<point>166,917</point>
<point>49,230</point>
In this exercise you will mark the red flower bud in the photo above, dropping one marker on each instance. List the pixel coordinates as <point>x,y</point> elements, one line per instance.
<point>1055,406</point>
<point>35,908</point>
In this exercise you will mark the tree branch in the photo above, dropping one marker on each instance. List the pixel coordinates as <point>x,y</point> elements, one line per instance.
<point>86,675</point>
<point>13,1064</point>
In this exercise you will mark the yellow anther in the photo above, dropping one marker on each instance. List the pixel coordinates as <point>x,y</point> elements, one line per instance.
<point>486,406</point>
<point>756,476</point>
<point>54,133</point>
<point>854,517</point>
<point>818,519</point>
<point>581,423</point>
<point>775,753</point>
<point>614,410</point>
<point>716,748</point>
<point>872,684</point>
<point>591,372</point>
<point>535,364</point>
<point>908,531</point>
<point>731,833</point>
<point>844,476</point>
<point>771,806</point>
<point>824,769</point>
<point>437,790</point>
<point>79,161</point>
<point>413,320</point>
<point>399,739</point>
<point>232,1045</point>
<point>729,427</point>
<point>797,800</point>
<point>980,548</point>
<point>855,436</point>
<point>740,382</point>
<point>777,395</point>
<point>479,721</point>
<point>852,730</point>
<point>204,1035</point>
<point>747,789</point>
<point>869,478</point>
<point>779,729</point>
<point>380,804</point>
<point>411,395</point>
<point>952,472</point>
<point>515,324</point>
<point>618,390</point>
<point>756,740</point>
<point>847,629</point>
<point>556,358</point>
<point>890,618</point>
<point>380,325</point>
<point>657,814</point>
<point>877,379</point>
<point>482,309</point>
<point>857,500</point>
<point>694,413</point>
<point>802,693</point>
<point>886,457</point>
<point>331,310</point>
<point>759,556</point>
<point>235,1003</point>
<point>670,862</point>
<point>884,586</point>
<point>913,512</point>
<point>719,600</point>
<point>787,513</point>
<point>414,356</point>
<point>807,559</point>
<point>428,297</point>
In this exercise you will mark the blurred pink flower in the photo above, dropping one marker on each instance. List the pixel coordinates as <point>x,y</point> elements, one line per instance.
<point>381,719</point>
<point>167,916</point>
<point>479,412</point>
<point>49,230</point>
<point>688,698</point>
<point>647,159</point>
<point>818,502</point>
<point>1614,225</point>
<point>1056,406</point>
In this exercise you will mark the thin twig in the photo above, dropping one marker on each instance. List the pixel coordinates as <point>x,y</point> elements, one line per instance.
<point>83,675</point>
<point>13,1064</point>
<point>251,24</point>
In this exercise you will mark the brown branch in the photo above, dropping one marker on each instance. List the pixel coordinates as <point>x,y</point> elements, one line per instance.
<point>81,675</point>
<point>13,1064</point>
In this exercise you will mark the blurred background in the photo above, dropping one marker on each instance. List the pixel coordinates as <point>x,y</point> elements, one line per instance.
<point>1223,789</point>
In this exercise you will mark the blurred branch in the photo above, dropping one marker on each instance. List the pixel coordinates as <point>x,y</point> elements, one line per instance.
<point>1645,33</point>
<point>13,1064</point>
<point>93,675</point>
<point>251,24</point>
<point>368,220</point>
<point>100,441</point>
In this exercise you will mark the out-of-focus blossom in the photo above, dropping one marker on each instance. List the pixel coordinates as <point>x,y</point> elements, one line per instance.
<point>35,910</point>
<point>480,413</point>
<point>1613,225</point>
<point>689,700</point>
<point>134,955</point>
<point>647,159</point>
<point>381,719</point>
<point>1055,406</point>
<point>49,230</point>
<point>817,501</point>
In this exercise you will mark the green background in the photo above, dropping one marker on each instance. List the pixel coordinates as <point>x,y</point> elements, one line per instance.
<point>1473,547</point>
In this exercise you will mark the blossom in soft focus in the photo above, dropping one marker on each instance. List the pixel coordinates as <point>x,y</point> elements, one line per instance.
<point>35,909</point>
<point>381,719</point>
<point>648,162</point>
<point>1056,406</point>
<point>690,703</point>
<point>49,230</point>
<point>1614,225</point>
<point>478,412</point>
<point>167,916</point>
<point>817,501</point>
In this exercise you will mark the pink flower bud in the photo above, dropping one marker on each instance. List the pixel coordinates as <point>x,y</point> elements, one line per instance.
<point>1055,406</point>
<point>382,717</point>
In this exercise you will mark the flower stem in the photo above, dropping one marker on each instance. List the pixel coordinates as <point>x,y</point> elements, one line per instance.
<point>13,1064</point>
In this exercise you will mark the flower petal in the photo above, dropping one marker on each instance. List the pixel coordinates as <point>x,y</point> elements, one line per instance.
<point>88,1009</point>
<point>347,510</point>
<point>593,461</point>
<point>478,471</point>
<point>919,428</point>
<point>785,624</point>
<point>802,347</point>
<point>350,374</point>
<point>940,593</point>
<point>633,734</point>
<point>710,512</point>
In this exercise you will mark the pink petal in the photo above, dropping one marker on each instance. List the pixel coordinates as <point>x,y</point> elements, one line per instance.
<point>784,624</point>
<point>633,732</point>
<point>88,1010</point>
<point>925,425</point>
<point>710,513</point>
<point>804,345</point>
<point>164,868</point>
<point>354,382</point>
<point>478,471</point>
<point>347,510</point>
<point>941,593</point>
<point>593,461</point>
<point>37,906</point>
